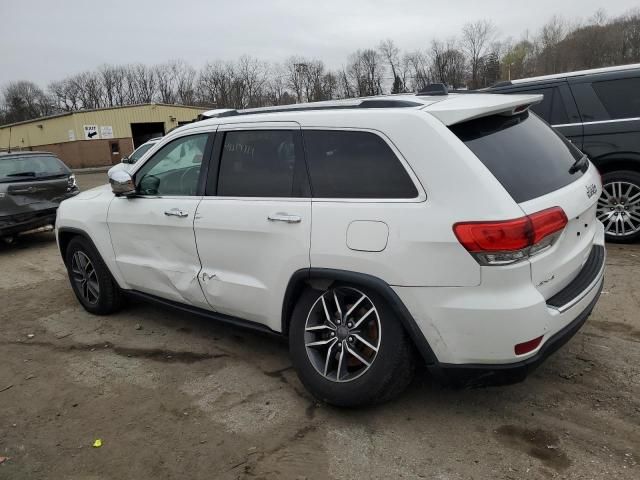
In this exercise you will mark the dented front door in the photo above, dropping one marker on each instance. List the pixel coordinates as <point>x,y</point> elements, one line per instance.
<point>155,248</point>
<point>152,233</point>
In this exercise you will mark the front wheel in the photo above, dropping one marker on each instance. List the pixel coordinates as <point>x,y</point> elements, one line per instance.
<point>90,278</point>
<point>619,206</point>
<point>348,347</point>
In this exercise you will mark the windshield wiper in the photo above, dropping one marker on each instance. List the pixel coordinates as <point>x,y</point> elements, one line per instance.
<point>21,174</point>
<point>581,164</point>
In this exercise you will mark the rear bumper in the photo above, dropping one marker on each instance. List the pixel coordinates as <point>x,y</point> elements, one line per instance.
<point>14,224</point>
<point>500,374</point>
<point>473,330</point>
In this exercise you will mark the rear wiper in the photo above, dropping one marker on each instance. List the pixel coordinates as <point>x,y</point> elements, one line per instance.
<point>21,174</point>
<point>581,164</point>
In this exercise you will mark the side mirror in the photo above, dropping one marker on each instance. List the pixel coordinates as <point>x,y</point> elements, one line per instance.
<point>121,183</point>
<point>125,160</point>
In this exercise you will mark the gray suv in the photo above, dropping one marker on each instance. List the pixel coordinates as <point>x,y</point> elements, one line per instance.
<point>32,185</point>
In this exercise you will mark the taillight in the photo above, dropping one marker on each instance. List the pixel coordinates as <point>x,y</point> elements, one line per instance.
<point>509,241</point>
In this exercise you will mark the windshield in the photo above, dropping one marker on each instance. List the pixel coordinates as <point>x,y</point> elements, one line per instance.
<point>527,156</point>
<point>27,167</point>
<point>141,150</point>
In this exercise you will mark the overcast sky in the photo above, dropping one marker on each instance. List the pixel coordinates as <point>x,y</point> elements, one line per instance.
<point>44,40</point>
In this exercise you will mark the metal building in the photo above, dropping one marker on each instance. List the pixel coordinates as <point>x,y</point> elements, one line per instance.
<point>91,138</point>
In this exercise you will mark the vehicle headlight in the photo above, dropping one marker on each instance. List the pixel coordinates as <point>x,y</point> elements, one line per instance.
<point>71,182</point>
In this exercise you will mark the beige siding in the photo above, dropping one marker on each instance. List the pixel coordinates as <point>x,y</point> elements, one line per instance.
<point>56,130</point>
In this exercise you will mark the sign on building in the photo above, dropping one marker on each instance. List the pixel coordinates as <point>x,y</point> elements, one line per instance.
<point>91,132</point>
<point>106,131</point>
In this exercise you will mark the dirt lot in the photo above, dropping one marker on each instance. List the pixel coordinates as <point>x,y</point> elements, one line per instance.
<point>174,396</point>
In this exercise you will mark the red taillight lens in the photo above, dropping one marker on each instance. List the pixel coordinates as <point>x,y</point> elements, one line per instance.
<point>527,347</point>
<point>494,236</point>
<point>522,236</point>
<point>547,222</point>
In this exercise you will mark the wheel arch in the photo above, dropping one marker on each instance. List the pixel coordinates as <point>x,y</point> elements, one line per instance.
<point>66,234</point>
<point>303,278</point>
<point>618,161</point>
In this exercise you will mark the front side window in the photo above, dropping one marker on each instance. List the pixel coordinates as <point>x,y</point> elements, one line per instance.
<point>620,98</point>
<point>262,163</point>
<point>352,164</point>
<point>174,169</point>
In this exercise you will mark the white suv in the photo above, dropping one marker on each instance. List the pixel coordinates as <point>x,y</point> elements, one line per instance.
<point>459,229</point>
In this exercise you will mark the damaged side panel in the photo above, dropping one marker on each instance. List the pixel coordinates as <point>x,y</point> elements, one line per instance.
<point>155,252</point>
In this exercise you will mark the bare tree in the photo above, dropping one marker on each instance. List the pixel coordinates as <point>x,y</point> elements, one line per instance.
<point>296,73</point>
<point>391,54</point>
<point>417,65</point>
<point>366,72</point>
<point>165,80</point>
<point>476,37</point>
<point>448,63</point>
<point>24,100</point>
<point>184,76</point>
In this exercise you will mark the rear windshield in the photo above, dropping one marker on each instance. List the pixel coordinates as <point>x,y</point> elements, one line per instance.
<point>30,167</point>
<point>527,157</point>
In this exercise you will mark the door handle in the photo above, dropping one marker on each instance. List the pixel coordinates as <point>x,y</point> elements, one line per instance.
<point>176,212</point>
<point>284,217</point>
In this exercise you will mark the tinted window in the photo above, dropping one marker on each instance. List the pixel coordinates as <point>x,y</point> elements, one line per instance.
<point>262,163</point>
<point>621,98</point>
<point>551,109</point>
<point>31,166</point>
<point>527,157</point>
<point>174,169</point>
<point>347,164</point>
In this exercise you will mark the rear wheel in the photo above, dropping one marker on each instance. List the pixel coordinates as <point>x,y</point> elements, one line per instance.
<point>619,206</point>
<point>348,348</point>
<point>90,279</point>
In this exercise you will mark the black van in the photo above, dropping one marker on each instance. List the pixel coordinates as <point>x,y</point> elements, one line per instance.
<point>599,111</point>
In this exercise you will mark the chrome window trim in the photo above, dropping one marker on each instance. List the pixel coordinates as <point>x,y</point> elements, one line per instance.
<point>598,122</point>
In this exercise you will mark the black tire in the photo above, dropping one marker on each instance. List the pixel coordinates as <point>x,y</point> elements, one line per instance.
<point>109,298</point>
<point>628,177</point>
<point>390,372</point>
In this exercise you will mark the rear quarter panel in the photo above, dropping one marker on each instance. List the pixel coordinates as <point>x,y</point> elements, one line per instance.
<point>421,249</point>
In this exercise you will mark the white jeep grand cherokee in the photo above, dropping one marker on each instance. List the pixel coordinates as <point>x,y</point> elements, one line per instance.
<point>455,229</point>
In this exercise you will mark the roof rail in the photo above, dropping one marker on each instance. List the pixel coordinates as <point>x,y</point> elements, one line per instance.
<point>434,89</point>
<point>305,107</point>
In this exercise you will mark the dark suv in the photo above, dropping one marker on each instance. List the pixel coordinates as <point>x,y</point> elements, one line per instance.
<point>32,185</point>
<point>599,111</point>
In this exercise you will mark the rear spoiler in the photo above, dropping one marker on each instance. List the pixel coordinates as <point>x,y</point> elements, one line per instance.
<point>456,109</point>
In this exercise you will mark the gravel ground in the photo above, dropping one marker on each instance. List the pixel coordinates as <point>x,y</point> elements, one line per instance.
<point>174,396</point>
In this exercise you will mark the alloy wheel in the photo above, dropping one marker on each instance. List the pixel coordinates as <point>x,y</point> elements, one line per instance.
<point>342,334</point>
<point>85,277</point>
<point>619,208</point>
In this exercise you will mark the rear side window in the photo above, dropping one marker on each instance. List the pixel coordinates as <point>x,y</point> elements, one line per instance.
<point>621,98</point>
<point>525,155</point>
<point>350,164</point>
<point>551,109</point>
<point>262,163</point>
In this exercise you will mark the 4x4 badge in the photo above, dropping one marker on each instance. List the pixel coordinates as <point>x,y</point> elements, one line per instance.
<point>591,190</point>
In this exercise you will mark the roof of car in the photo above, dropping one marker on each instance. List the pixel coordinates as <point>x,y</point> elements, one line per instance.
<point>25,153</point>
<point>448,108</point>
<point>578,73</point>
